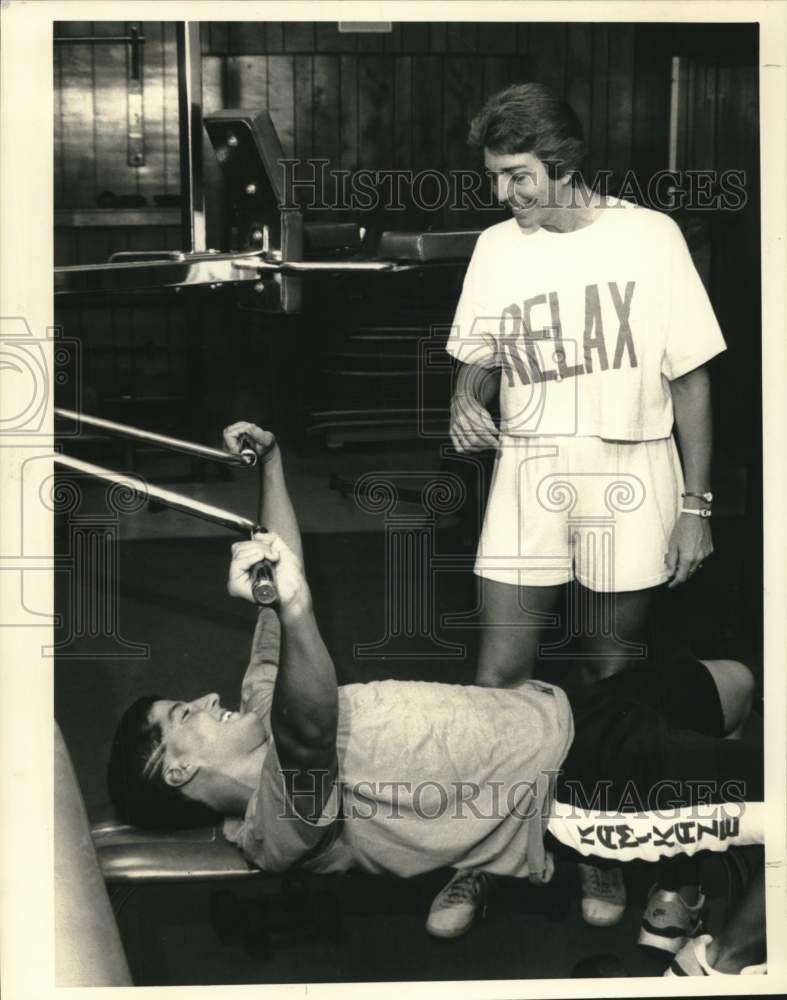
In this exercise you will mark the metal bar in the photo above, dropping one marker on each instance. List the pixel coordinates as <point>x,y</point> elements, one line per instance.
<point>201,269</point>
<point>209,269</point>
<point>135,123</point>
<point>136,59</point>
<point>190,108</point>
<point>135,114</point>
<point>389,411</point>
<point>246,458</point>
<point>98,39</point>
<point>674,106</point>
<point>175,501</point>
<point>317,266</point>
<point>135,256</point>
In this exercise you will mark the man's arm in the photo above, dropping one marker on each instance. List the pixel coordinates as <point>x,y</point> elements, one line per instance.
<point>305,697</point>
<point>305,712</point>
<point>276,513</point>
<point>691,543</point>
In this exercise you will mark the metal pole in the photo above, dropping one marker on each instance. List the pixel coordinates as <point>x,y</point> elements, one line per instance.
<point>247,457</point>
<point>190,108</point>
<point>262,265</point>
<point>263,583</point>
<point>175,501</point>
<point>98,39</point>
<point>209,270</point>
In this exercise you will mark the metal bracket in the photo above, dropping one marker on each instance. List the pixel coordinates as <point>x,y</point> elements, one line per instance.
<point>259,191</point>
<point>136,110</point>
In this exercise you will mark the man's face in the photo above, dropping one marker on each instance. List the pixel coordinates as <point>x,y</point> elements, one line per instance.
<point>522,184</point>
<point>202,733</point>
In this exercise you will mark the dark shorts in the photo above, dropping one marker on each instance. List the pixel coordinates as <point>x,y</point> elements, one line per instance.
<point>651,738</point>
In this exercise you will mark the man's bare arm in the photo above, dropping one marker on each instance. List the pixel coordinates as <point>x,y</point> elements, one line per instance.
<point>305,712</point>
<point>277,513</point>
<point>305,697</point>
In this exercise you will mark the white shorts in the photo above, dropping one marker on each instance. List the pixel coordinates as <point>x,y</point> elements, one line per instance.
<point>599,511</point>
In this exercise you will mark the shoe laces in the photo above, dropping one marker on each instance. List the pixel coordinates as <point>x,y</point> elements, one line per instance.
<point>463,888</point>
<point>603,882</point>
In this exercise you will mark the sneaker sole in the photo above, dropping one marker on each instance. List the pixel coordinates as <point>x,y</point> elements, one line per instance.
<point>661,943</point>
<point>446,935</point>
<point>664,942</point>
<point>604,921</point>
<point>677,970</point>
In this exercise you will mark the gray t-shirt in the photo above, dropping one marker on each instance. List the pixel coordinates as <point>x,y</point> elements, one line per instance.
<point>429,775</point>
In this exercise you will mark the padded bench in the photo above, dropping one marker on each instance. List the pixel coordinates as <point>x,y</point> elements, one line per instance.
<point>428,247</point>
<point>128,855</point>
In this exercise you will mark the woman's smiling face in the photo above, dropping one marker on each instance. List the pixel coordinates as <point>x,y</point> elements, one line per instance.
<point>523,184</point>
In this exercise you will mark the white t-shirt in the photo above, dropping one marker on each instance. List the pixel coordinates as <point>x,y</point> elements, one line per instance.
<point>589,326</point>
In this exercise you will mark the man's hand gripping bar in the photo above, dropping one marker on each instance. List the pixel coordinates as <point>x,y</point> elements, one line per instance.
<point>263,582</point>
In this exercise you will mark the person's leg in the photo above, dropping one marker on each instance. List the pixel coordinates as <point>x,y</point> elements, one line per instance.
<point>611,627</point>
<point>673,749</point>
<point>677,716</point>
<point>742,941</point>
<point>675,905</point>
<point>614,626</point>
<point>513,622</point>
<point>680,875</point>
<point>700,758</point>
<point>619,563</point>
<point>735,687</point>
<point>740,945</point>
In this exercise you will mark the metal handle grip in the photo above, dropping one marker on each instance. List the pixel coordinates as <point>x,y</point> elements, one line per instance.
<point>263,585</point>
<point>248,450</point>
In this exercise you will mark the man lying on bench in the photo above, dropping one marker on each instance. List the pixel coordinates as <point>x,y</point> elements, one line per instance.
<point>407,776</point>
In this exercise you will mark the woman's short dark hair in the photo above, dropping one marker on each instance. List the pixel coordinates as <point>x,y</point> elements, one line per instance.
<point>138,791</point>
<point>530,118</point>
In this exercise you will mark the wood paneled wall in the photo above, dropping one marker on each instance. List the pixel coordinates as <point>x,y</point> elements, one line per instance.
<point>379,101</point>
<point>90,119</point>
<point>403,100</point>
<point>720,132</point>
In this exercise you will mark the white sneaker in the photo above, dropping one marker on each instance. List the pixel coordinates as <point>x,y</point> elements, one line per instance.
<point>454,909</point>
<point>692,960</point>
<point>603,895</point>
